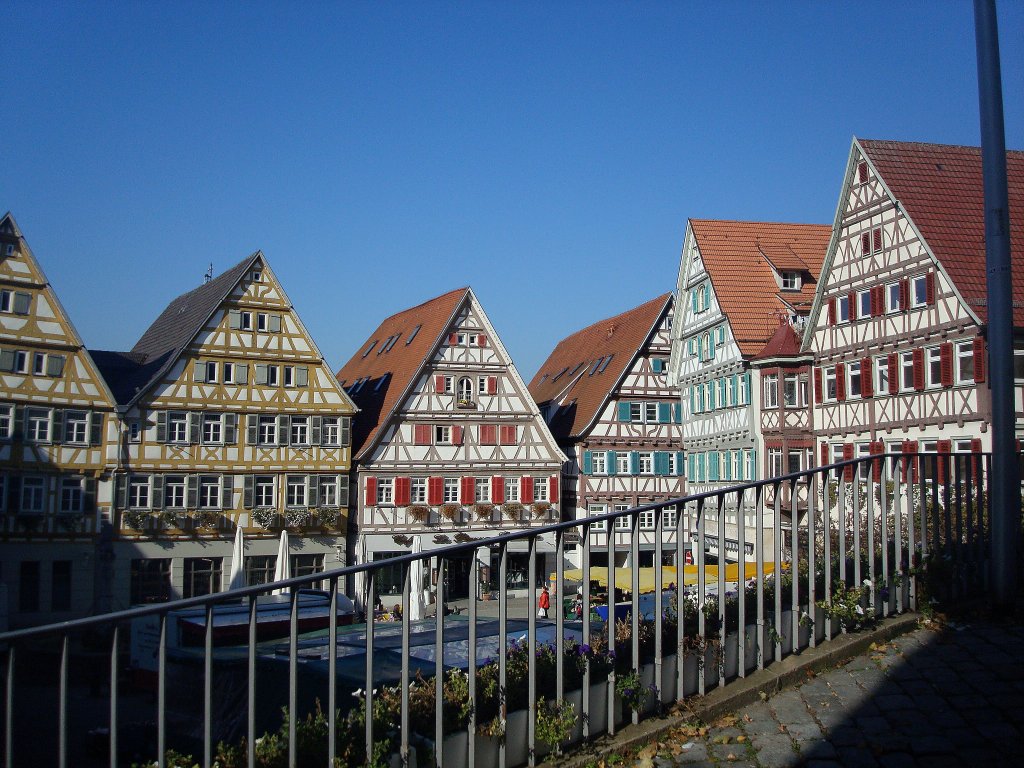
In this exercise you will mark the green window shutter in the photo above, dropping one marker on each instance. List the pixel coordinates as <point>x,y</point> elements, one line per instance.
<point>715,466</point>
<point>316,425</point>
<point>346,431</point>
<point>588,463</point>
<point>252,421</point>
<point>689,346</point>
<point>707,295</point>
<point>274,323</point>
<point>664,413</point>
<point>200,371</point>
<point>343,491</point>
<point>660,463</point>
<point>158,492</point>
<point>302,376</point>
<point>711,396</point>
<point>746,378</point>
<point>121,492</point>
<point>691,467</point>
<point>195,420</point>
<point>634,462</point>
<point>677,413</point>
<point>248,486</point>
<point>735,390</point>
<point>192,491</point>
<point>657,365</point>
<point>241,373</point>
<point>284,429</point>
<point>313,499</point>
<point>22,302</point>
<point>679,463</point>
<point>261,374</point>
<point>693,399</point>
<point>610,463</point>
<point>54,365</point>
<point>230,428</point>
<point>752,460</point>
<point>722,391</point>
<point>727,469</point>
<point>227,492</point>
<point>711,347</point>
<point>693,301</point>
<point>623,411</point>
<point>234,319</point>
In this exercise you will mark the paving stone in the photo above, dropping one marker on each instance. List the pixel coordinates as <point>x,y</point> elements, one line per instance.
<point>697,752</point>
<point>896,760</point>
<point>822,764</point>
<point>775,751</point>
<point>873,724</point>
<point>721,752</point>
<point>894,701</point>
<point>884,742</point>
<point>804,731</point>
<point>857,757</point>
<point>818,750</point>
<point>846,736</point>
<point>930,744</point>
<point>997,731</point>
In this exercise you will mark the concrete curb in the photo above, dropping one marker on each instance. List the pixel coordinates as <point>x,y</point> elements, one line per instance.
<point>743,691</point>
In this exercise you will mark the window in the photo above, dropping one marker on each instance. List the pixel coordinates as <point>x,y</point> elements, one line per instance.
<point>743,397</point>
<point>964,365</point>
<point>671,466</point>
<point>306,565</point>
<point>213,428</point>
<point>511,489</point>
<point>418,490</point>
<point>72,498</point>
<point>288,375</point>
<point>263,494</point>
<point>174,491</point>
<point>262,322</point>
<point>38,363</point>
<point>138,493</point>
<point>385,490</point>
<point>599,463</point>
<point>863,450</point>
<point>451,490</point>
<point>272,375</point>
<point>596,509</point>
<point>892,297</point>
<point>646,464</point>
<point>33,495</point>
<point>151,581</point>
<point>300,430</point>
<point>28,586</point>
<point>853,387</point>
<point>647,520</point>
<point>622,523</point>
<point>202,576</point>
<point>737,465</point>
<point>830,383</point>
<point>621,463</point>
<point>843,309</point>
<point>331,431</point>
<point>266,430</point>
<point>793,462</point>
<point>60,591</point>
<point>651,413</point>
<point>882,375</point>
<point>863,304</point>
<point>933,367</point>
<point>38,424</point>
<point>791,391</point>
<point>211,372</point>
<point>229,373</point>
<point>906,371</point>
<point>791,281</point>
<point>706,352</point>
<point>134,430</point>
<point>636,412</point>
<point>482,490</point>
<point>259,569</point>
<point>669,518</point>
<point>413,335</point>
<point>76,427</point>
<point>257,275</point>
<point>919,291</point>
<point>442,435</point>
<point>771,391</point>
<point>540,489</point>
<point>465,389</point>
<point>177,427</point>
<point>330,491</point>
<point>6,421</point>
<point>296,491</point>
<point>775,462</point>
<point>209,492</point>
<point>245,322</point>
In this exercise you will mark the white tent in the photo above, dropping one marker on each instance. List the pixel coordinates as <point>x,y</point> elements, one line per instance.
<point>283,569</point>
<point>236,578</point>
<point>417,608</point>
<point>360,598</point>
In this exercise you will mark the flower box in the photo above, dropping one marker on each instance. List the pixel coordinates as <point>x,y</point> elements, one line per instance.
<point>264,517</point>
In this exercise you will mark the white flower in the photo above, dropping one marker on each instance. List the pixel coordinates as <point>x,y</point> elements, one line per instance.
<point>867,583</point>
<point>860,611</point>
<point>358,692</point>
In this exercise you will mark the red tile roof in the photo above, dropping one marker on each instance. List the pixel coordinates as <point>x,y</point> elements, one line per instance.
<point>940,187</point>
<point>736,256</point>
<point>566,376</point>
<point>785,342</point>
<point>419,330</point>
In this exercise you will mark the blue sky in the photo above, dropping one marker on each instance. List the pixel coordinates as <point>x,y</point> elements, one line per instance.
<point>547,154</point>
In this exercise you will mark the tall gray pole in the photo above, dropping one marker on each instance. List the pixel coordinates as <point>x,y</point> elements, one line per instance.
<point>1005,480</point>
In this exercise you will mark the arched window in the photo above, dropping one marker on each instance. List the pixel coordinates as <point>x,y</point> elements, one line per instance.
<point>465,389</point>
<point>706,352</point>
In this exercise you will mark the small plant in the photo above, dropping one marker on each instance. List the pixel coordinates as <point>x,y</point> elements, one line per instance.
<point>513,510</point>
<point>555,722</point>
<point>167,518</point>
<point>205,518</point>
<point>540,508</point>
<point>483,511</point>
<point>631,690</point>
<point>135,518</point>
<point>328,517</point>
<point>69,521</point>
<point>264,517</point>
<point>298,517</point>
<point>418,512</point>
<point>450,511</point>
<point>845,607</point>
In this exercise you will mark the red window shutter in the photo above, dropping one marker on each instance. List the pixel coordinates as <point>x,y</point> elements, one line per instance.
<point>526,489</point>
<point>979,359</point>
<point>481,340</point>
<point>421,434</point>
<point>876,239</point>
<point>867,380</point>
<point>487,434</point>
<point>918,355</point>
<point>943,448</point>
<point>453,339</point>
<point>824,455</point>
<point>439,384</point>
<point>878,301</point>
<point>851,302</point>
<point>456,435</point>
<point>468,490</point>
<point>371,491</point>
<point>840,382</point>
<point>873,293</point>
<point>508,434</point>
<point>904,295</point>
<point>894,374</point>
<point>929,287</point>
<point>498,489</point>
<point>553,489</point>
<point>402,487</point>
<point>909,463</point>
<point>975,448</point>
<point>848,454</point>
<point>875,449</point>
<point>492,385</point>
<point>435,490</point>
<point>817,385</point>
<point>865,244</point>
<point>946,364</point>
<point>832,311</point>
<point>862,172</point>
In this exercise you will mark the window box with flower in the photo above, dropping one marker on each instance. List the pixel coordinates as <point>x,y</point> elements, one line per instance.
<point>135,518</point>
<point>264,517</point>
<point>418,512</point>
<point>513,510</point>
<point>328,517</point>
<point>206,518</point>
<point>298,517</point>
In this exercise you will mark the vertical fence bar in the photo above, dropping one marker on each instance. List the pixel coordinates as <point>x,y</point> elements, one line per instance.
<point>332,671</point>
<point>869,504</point>
<point>113,694</point>
<point>559,615</point>
<point>585,707</point>
<point>858,578</point>
<point>610,623</point>
<point>921,477</point>
<point>658,596</point>
<point>9,711</point>
<point>759,502</point>
<point>841,532</point>
<point>503,648</point>
<point>812,553</point>
<point>911,483</point>
<point>371,602</point>
<point>62,712</point>
<point>883,535</point>
<point>531,650</point>
<point>720,584</point>
<point>937,512</point>
<point>439,605</point>
<point>474,585</point>
<point>969,517</point>
<point>293,678</point>
<point>634,608</point>
<point>161,697</point>
<point>896,472</point>
<point>701,597</point>
<point>828,507</point>
<point>681,518</point>
<point>960,584</point>
<point>251,687</point>
<point>208,691</point>
<point>405,681</point>
<point>777,567</point>
<point>741,585</point>
<point>794,563</point>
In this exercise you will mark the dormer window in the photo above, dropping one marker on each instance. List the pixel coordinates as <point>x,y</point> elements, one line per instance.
<point>257,275</point>
<point>791,281</point>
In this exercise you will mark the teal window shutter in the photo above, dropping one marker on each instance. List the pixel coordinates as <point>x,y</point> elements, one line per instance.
<point>746,378</point>
<point>727,469</point>
<point>657,365</point>
<point>721,391</point>
<point>664,413</point>
<point>677,413</point>
<point>588,463</point>
<point>623,411</point>
<point>702,463</point>
<point>711,396</point>
<point>679,463</point>
<point>689,346</point>
<point>634,462</point>
<point>693,399</point>
<point>693,301</point>
<point>752,464</point>
<point>691,466</point>
<point>610,462</point>
<point>660,463</point>
<point>707,295</point>
<point>713,466</point>
<point>735,390</point>
<point>711,348</point>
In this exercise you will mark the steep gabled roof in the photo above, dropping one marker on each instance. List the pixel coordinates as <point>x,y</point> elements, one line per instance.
<point>126,373</point>
<point>389,370</point>
<point>738,255</point>
<point>584,369</point>
<point>940,188</point>
<point>785,342</point>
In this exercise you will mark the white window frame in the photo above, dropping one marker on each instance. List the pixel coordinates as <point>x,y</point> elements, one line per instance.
<point>6,421</point>
<point>540,489</point>
<point>774,462</point>
<point>647,520</point>
<point>418,490</point>
<point>854,382</point>
<point>72,495</point>
<point>33,494</point>
<point>863,304</point>
<point>599,462</point>
<point>329,490</point>
<point>892,298</point>
<point>385,491</point>
<point>622,523</point>
<point>843,309</point>
<point>791,383</point>
<point>482,490</point>
<point>771,390</point>
<point>622,462</point>
<point>299,430</point>
<point>918,291</point>
<point>76,428</point>
<point>906,361</point>
<point>963,356</point>
<point>651,413</point>
<point>213,429</point>
<point>39,425</point>
<point>932,365</point>
<point>791,280</point>
<point>830,384</point>
<point>175,492</point>
<point>882,374</point>
<point>450,490</point>
<point>209,485</point>
<point>330,434</point>
<point>296,491</point>
<point>177,427</point>
<point>140,492</point>
<point>511,489</point>
<point>597,509</point>
<point>245,320</point>
<point>266,430</point>
<point>442,434</point>
<point>645,463</point>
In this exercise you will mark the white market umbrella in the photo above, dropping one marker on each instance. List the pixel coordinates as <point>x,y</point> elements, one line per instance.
<point>236,579</point>
<point>360,596</point>
<point>283,569</point>
<point>416,607</point>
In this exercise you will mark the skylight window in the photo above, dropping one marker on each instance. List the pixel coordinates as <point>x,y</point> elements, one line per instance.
<point>413,335</point>
<point>369,349</point>
<point>605,363</point>
<point>559,374</point>
<point>594,368</point>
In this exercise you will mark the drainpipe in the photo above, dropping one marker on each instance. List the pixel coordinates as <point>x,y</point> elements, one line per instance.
<point>1005,477</point>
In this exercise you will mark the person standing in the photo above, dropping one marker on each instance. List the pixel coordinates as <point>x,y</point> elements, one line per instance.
<point>544,603</point>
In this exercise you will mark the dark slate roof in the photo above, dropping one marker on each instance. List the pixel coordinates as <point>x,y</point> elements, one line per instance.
<point>178,324</point>
<point>940,188</point>
<point>566,375</point>
<point>126,373</point>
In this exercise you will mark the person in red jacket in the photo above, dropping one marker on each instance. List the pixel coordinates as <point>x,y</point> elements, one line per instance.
<point>544,603</point>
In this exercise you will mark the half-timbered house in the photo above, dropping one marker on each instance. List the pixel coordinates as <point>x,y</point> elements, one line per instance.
<point>736,281</point>
<point>55,412</point>
<point>448,444</point>
<point>604,393</point>
<point>229,416</point>
<point>899,321</point>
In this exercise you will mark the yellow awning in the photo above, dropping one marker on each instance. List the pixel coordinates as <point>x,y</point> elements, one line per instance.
<point>624,576</point>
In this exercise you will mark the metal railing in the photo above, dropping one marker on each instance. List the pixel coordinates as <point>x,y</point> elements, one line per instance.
<point>851,546</point>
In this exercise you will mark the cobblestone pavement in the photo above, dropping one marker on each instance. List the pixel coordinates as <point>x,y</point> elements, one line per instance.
<point>935,697</point>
